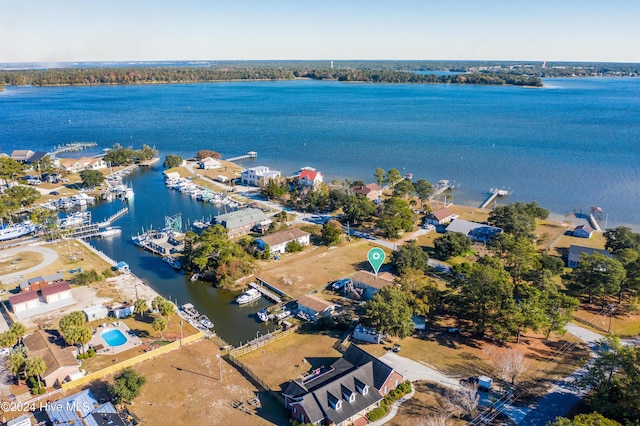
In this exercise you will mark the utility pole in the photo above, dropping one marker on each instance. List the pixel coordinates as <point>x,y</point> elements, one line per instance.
<point>219,364</point>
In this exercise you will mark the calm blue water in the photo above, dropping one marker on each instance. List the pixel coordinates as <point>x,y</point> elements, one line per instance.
<point>570,145</point>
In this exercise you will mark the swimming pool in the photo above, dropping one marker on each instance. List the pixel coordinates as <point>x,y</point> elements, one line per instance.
<point>114,337</point>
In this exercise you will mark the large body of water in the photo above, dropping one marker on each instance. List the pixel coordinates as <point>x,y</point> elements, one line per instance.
<point>571,145</point>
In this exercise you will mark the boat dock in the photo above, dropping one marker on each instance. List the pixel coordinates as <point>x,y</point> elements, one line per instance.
<point>248,156</point>
<point>163,244</point>
<point>266,293</point>
<point>117,215</point>
<point>442,187</point>
<point>73,147</point>
<point>493,194</point>
<point>149,163</point>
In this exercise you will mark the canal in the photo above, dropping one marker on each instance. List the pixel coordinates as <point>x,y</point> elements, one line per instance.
<point>151,203</point>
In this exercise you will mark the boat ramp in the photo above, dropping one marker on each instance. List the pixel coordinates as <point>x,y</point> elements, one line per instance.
<point>493,194</point>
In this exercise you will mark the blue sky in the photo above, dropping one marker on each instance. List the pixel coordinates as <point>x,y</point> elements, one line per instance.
<point>129,30</point>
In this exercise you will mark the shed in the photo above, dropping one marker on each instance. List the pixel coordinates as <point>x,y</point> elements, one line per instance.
<point>57,292</point>
<point>222,178</point>
<point>24,301</point>
<point>122,311</point>
<point>583,231</point>
<point>440,217</point>
<point>95,312</point>
<point>367,334</point>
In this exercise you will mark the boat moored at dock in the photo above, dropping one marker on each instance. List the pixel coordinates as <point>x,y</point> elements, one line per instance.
<point>248,296</point>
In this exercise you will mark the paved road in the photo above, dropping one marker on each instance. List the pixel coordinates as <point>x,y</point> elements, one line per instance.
<point>49,256</point>
<point>562,396</point>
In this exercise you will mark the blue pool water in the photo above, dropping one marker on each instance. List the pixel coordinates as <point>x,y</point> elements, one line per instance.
<point>114,337</point>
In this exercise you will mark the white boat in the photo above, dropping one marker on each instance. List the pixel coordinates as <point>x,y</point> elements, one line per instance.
<point>194,277</point>
<point>173,262</point>
<point>110,231</point>
<point>263,315</point>
<point>75,219</point>
<point>17,231</point>
<point>128,194</point>
<point>248,296</point>
<point>190,310</point>
<point>282,315</point>
<point>205,321</point>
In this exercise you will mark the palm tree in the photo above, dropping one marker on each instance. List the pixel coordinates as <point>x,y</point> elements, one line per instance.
<point>34,367</point>
<point>84,336</point>
<point>140,307</point>
<point>15,363</point>
<point>159,324</point>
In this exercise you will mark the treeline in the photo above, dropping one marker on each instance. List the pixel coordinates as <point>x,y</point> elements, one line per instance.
<point>150,75</point>
<point>377,76</point>
<point>137,75</point>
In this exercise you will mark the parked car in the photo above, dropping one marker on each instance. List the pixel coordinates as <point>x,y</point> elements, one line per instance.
<point>396,348</point>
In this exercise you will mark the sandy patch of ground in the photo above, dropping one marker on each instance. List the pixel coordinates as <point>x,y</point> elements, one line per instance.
<point>131,288</point>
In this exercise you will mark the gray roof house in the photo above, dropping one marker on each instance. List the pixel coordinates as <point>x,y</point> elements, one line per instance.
<point>575,252</point>
<point>342,393</point>
<point>240,222</point>
<point>476,231</point>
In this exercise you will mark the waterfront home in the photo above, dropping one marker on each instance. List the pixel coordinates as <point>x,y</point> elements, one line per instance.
<point>38,156</point>
<point>583,231</point>
<point>277,242</point>
<point>314,308</point>
<point>343,393</point>
<point>38,283</point>
<point>366,284</point>
<point>240,222</point>
<point>21,155</point>
<point>309,177</point>
<point>59,358</point>
<point>209,163</point>
<point>573,257</point>
<point>258,176</point>
<point>440,217</point>
<point>478,232</point>
<point>371,190</point>
<point>76,165</point>
<point>83,408</point>
<point>367,334</point>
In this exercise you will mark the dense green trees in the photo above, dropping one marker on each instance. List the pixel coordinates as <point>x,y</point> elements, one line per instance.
<point>451,244</point>
<point>126,386</point>
<point>396,217</point>
<point>9,168</point>
<point>591,419</point>
<point>596,275</point>
<point>274,188</point>
<point>217,257</point>
<point>74,330</point>
<point>357,208</point>
<point>331,233</point>
<point>121,156</point>
<point>620,238</point>
<point>91,178</point>
<point>518,218</point>
<point>409,256</point>
<point>389,312</point>
<point>171,161</point>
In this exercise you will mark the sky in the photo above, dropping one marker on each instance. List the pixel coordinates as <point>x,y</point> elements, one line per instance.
<point>48,31</point>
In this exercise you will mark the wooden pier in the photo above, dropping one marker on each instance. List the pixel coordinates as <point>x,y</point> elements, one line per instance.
<point>248,156</point>
<point>73,147</point>
<point>442,187</point>
<point>493,194</point>
<point>117,215</point>
<point>266,293</point>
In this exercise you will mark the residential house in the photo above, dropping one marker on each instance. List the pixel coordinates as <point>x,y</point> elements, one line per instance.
<point>60,359</point>
<point>309,177</point>
<point>367,284</point>
<point>440,217</point>
<point>314,307</point>
<point>76,165</point>
<point>575,251</point>
<point>83,408</point>
<point>240,222</point>
<point>367,334</point>
<point>23,302</point>
<point>36,157</point>
<point>38,283</point>
<point>343,393</point>
<point>371,190</point>
<point>277,242</point>
<point>258,176</point>
<point>57,292</point>
<point>583,231</point>
<point>21,155</point>
<point>478,232</point>
<point>209,163</point>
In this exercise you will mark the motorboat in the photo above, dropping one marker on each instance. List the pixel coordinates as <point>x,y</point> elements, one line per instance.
<point>190,310</point>
<point>17,231</point>
<point>205,321</point>
<point>248,296</point>
<point>173,262</point>
<point>283,315</point>
<point>263,315</point>
<point>110,231</point>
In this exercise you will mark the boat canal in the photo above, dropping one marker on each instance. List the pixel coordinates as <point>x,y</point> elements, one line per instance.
<point>149,206</point>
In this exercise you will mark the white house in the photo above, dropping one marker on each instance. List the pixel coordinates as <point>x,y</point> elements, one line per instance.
<point>255,176</point>
<point>310,177</point>
<point>277,242</point>
<point>367,334</point>
<point>21,155</point>
<point>210,163</point>
<point>75,165</point>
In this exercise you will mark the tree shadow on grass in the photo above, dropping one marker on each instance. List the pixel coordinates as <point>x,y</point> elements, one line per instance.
<point>99,389</point>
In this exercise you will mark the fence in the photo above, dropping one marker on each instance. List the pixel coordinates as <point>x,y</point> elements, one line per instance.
<point>253,376</point>
<point>130,362</point>
<point>250,347</point>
